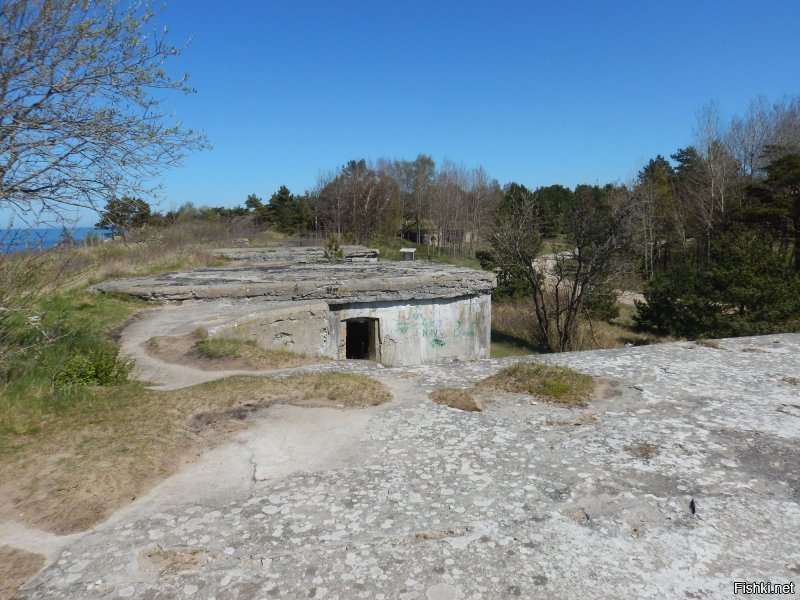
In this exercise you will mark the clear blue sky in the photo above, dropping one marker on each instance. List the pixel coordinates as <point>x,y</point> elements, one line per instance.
<point>535,92</point>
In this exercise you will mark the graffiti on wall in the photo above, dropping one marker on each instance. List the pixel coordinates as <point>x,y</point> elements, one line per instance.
<point>435,329</point>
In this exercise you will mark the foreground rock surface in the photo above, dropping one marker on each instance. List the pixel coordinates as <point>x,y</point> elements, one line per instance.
<point>414,500</point>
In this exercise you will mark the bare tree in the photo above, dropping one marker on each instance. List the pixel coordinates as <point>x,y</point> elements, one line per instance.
<point>748,136</point>
<point>561,282</point>
<point>786,135</point>
<point>79,121</point>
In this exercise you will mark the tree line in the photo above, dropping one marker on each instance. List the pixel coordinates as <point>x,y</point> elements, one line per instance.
<point>712,232</point>
<point>716,228</point>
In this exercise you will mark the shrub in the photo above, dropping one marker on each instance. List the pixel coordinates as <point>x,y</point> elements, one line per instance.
<point>334,250</point>
<point>747,288</point>
<point>102,366</point>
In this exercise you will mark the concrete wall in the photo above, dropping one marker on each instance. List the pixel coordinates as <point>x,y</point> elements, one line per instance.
<point>297,327</point>
<point>409,333</point>
<point>422,331</point>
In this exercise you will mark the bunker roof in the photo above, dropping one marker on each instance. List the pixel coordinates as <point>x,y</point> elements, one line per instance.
<point>305,274</point>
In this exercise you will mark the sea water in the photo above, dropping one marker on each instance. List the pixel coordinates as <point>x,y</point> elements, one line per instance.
<point>42,238</point>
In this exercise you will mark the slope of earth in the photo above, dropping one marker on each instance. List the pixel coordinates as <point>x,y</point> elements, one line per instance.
<point>681,479</point>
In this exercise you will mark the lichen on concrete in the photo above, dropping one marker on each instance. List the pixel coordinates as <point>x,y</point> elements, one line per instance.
<point>525,499</point>
<point>341,282</point>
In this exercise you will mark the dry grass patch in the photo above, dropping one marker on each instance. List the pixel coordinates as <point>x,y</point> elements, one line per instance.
<point>553,383</point>
<point>708,343</point>
<point>791,380</point>
<point>461,399</point>
<point>165,562</point>
<point>74,468</point>
<point>644,450</point>
<point>221,353</point>
<point>346,389</point>
<point>514,321</point>
<point>16,567</point>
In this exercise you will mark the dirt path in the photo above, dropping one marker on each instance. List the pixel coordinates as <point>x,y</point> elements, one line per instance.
<point>283,440</point>
<point>182,321</point>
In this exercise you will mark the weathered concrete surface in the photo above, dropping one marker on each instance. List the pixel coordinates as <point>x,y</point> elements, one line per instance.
<point>413,500</point>
<point>340,282</point>
<point>419,312</point>
<point>410,333</point>
<point>219,317</point>
<point>290,255</point>
<point>421,332</point>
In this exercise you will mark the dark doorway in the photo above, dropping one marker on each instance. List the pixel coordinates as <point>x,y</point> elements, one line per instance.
<point>362,335</point>
<point>358,338</point>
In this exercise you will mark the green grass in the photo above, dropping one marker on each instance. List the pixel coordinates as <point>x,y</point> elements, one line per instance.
<point>390,250</point>
<point>73,323</point>
<point>249,352</point>
<point>504,345</point>
<point>389,247</point>
<point>561,385</point>
<point>221,347</point>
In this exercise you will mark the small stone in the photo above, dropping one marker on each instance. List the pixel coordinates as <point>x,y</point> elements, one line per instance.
<point>441,591</point>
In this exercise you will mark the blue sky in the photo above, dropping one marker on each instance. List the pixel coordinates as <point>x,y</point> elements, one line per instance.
<point>539,93</point>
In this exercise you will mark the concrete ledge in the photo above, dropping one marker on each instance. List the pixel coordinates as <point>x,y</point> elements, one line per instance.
<point>343,282</point>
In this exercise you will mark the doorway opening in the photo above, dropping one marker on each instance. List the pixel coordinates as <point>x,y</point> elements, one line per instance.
<point>362,335</point>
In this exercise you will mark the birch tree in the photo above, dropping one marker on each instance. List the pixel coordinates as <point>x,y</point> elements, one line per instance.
<point>81,119</point>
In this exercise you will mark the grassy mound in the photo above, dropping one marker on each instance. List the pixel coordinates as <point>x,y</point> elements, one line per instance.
<point>461,399</point>
<point>553,383</point>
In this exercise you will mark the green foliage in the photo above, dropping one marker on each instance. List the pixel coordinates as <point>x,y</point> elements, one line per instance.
<point>334,251</point>
<point>123,214</point>
<point>601,303</point>
<point>511,281</point>
<point>553,200</point>
<point>748,288</point>
<point>775,203</point>
<point>102,366</point>
<point>50,361</point>
<point>287,213</point>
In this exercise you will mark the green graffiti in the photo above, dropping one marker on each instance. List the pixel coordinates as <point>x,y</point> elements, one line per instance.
<point>404,326</point>
<point>437,342</point>
<point>461,332</point>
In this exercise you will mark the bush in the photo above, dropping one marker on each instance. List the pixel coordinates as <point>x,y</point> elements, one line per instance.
<point>601,303</point>
<point>334,250</point>
<point>747,288</point>
<point>102,366</point>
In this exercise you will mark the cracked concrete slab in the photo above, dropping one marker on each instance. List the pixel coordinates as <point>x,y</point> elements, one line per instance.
<point>341,282</point>
<point>415,500</point>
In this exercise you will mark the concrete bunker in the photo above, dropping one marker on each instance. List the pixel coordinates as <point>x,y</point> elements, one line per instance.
<point>394,313</point>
